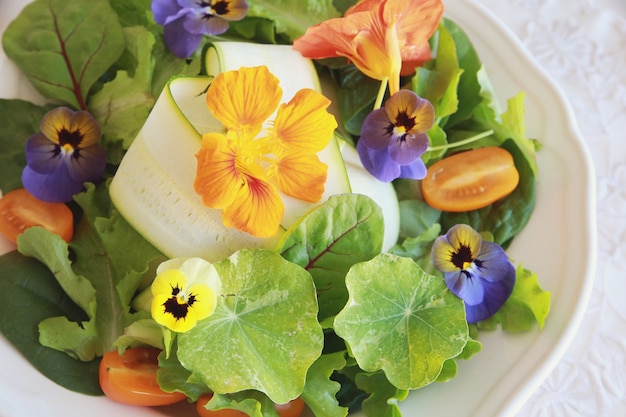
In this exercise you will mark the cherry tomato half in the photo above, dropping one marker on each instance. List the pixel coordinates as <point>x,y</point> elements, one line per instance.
<point>19,210</point>
<point>470,180</point>
<point>131,378</point>
<point>293,408</point>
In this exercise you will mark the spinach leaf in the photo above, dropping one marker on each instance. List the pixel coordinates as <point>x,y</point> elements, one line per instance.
<point>346,229</point>
<point>18,121</point>
<point>63,47</point>
<point>29,291</point>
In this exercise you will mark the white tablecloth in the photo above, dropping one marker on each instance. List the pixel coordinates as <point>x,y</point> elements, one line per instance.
<point>582,46</point>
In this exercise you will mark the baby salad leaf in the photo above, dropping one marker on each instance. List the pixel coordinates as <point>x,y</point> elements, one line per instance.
<point>527,305</point>
<point>264,333</point>
<point>123,104</point>
<point>320,391</point>
<point>401,320</point>
<point>19,120</point>
<point>293,17</point>
<point>384,397</point>
<point>345,230</point>
<point>63,47</point>
<point>469,62</point>
<point>29,291</point>
<point>102,269</point>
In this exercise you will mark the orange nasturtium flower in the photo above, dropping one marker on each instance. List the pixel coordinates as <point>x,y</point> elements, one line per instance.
<point>383,38</point>
<point>242,170</point>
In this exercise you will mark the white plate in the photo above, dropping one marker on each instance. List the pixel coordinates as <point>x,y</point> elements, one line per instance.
<point>558,243</point>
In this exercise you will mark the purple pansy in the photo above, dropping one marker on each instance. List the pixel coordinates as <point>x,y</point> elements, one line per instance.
<point>393,138</point>
<point>186,21</point>
<point>477,271</point>
<point>63,156</point>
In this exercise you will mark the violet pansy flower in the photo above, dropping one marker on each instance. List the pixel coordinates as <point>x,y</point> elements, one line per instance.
<point>393,138</point>
<point>477,271</point>
<point>65,154</point>
<point>185,22</point>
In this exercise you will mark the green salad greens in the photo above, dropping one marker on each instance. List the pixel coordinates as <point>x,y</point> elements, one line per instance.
<point>326,315</point>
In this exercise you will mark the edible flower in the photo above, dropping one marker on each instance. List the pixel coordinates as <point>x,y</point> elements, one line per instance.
<point>241,173</point>
<point>477,271</point>
<point>378,36</point>
<point>185,22</point>
<point>64,155</point>
<point>185,291</point>
<point>393,137</point>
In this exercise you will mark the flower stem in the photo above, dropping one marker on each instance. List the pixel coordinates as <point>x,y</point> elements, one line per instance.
<point>461,142</point>
<point>381,93</point>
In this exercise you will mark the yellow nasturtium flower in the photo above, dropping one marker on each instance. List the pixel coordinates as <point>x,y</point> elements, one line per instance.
<point>184,291</point>
<point>242,170</point>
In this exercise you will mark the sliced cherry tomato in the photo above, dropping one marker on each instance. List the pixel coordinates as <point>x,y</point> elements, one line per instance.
<point>293,408</point>
<point>470,180</point>
<point>19,210</point>
<point>131,378</point>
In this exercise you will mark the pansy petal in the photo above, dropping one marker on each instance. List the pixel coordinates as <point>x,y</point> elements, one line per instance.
<point>378,163</point>
<point>196,24</point>
<point>202,301</point>
<point>232,9</point>
<point>257,211</point>
<point>376,130</point>
<point>409,112</point>
<point>463,237</point>
<point>466,286</point>
<point>55,121</point>
<point>168,280</point>
<point>416,170</point>
<point>242,100</point>
<point>42,155</point>
<point>304,123</point>
<point>90,164</point>
<point>162,9</point>
<point>218,179</point>
<point>495,295</point>
<point>442,255</point>
<point>301,175</point>
<point>407,148</point>
<point>200,271</point>
<point>179,41</point>
<point>55,187</point>
<point>84,125</point>
<point>494,263</point>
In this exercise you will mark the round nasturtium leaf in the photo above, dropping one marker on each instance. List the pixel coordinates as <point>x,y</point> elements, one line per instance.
<point>401,320</point>
<point>264,333</point>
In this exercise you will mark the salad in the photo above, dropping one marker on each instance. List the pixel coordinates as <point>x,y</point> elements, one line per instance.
<point>320,299</point>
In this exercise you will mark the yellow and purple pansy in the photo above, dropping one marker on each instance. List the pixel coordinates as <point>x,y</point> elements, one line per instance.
<point>393,138</point>
<point>64,155</point>
<point>477,271</point>
<point>184,291</point>
<point>185,22</point>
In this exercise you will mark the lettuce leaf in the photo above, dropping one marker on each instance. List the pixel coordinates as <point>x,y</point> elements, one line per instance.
<point>292,18</point>
<point>101,278</point>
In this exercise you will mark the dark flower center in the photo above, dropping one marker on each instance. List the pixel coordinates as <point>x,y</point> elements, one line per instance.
<point>173,306</point>
<point>219,8</point>
<point>404,120</point>
<point>72,138</point>
<point>462,257</point>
